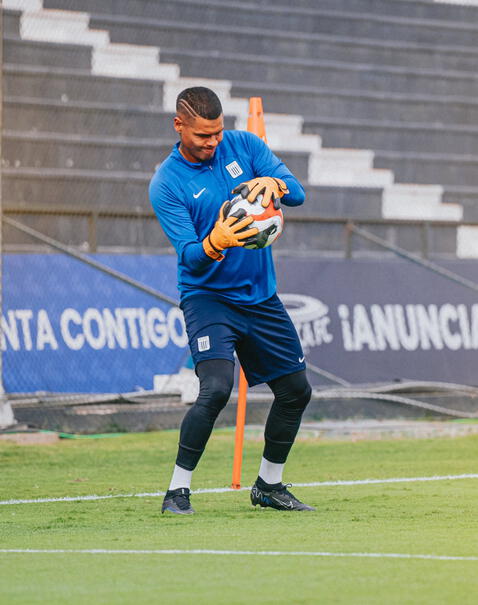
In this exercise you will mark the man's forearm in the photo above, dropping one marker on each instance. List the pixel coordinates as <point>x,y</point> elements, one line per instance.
<point>296,195</point>
<point>195,258</point>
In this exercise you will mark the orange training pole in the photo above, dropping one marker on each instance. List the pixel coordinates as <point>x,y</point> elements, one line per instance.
<point>240,423</point>
<point>255,124</point>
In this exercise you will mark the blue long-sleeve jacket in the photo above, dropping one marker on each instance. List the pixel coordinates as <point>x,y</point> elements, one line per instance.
<point>186,198</point>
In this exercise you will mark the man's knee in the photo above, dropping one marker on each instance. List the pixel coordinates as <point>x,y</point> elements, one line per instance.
<point>292,391</point>
<point>216,379</point>
<point>303,393</point>
<point>215,390</point>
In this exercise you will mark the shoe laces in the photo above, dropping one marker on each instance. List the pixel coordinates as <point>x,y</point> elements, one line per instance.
<point>182,501</point>
<point>284,489</point>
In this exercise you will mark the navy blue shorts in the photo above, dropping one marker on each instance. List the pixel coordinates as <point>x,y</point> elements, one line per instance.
<point>263,335</point>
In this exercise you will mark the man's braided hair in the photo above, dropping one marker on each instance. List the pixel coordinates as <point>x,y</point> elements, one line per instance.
<point>199,101</point>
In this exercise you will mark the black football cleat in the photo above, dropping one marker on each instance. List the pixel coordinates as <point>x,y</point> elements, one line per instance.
<point>276,496</point>
<point>177,501</point>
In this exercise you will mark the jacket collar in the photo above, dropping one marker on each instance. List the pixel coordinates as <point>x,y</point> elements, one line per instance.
<point>177,155</point>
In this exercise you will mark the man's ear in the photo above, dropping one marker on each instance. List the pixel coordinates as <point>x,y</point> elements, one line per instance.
<point>178,124</point>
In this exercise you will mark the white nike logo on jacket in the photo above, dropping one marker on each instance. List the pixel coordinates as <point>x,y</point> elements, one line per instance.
<point>196,195</point>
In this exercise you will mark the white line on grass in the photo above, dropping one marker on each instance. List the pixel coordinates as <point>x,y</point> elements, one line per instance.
<point>268,553</point>
<point>220,490</point>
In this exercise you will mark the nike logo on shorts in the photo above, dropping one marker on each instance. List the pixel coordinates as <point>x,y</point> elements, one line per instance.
<point>301,359</point>
<point>196,195</point>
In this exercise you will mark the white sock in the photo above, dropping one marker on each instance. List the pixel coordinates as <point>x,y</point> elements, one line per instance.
<point>270,472</point>
<point>181,478</point>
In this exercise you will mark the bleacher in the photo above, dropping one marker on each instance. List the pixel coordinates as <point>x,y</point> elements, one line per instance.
<point>371,103</point>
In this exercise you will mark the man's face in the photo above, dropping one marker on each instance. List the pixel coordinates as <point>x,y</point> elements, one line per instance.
<point>199,137</point>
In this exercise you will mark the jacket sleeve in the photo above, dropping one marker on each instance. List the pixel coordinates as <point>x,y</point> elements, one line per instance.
<point>178,226</point>
<point>266,163</point>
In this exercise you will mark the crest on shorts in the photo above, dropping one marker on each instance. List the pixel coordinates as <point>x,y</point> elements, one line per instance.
<point>203,343</point>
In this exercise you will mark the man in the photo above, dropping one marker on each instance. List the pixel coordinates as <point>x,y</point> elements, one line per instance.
<point>228,293</point>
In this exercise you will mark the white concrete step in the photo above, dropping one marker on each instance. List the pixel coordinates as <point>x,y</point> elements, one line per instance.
<point>462,2</point>
<point>421,202</point>
<point>373,178</point>
<point>284,132</point>
<point>346,168</point>
<point>347,159</point>
<point>280,141</point>
<point>288,124</point>
<point>23,5</point>
<point>66,27</point>
<point>131,61</point>
<point>467,242</point>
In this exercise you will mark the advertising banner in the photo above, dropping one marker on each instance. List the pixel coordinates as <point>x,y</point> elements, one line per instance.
<point>372,321</point>
<point>67,327</point>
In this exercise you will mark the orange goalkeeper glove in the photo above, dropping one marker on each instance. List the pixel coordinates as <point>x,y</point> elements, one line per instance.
<point>228,232</point>
<point>268,186</point>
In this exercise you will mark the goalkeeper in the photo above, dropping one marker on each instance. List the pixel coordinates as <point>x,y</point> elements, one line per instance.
<point>228,293</point>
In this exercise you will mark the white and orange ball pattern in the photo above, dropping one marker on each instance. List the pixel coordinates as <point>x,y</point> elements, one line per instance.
<point>269,221</point>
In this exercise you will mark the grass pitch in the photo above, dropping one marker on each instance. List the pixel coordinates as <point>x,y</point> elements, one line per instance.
<point>434,518</point>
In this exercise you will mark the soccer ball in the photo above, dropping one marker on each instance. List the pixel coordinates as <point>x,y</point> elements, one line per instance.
<point>269,221</point>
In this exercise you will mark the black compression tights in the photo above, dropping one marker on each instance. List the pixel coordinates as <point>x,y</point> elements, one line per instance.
<point>216,378</point>
<point>291,396</point>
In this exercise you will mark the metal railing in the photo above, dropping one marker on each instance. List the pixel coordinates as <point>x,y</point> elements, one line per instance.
<point>351,225</point>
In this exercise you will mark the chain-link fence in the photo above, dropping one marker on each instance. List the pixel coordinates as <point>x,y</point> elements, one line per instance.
<point>69,312</point>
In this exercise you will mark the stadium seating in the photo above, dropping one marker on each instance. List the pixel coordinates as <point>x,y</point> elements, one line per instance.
<point>372,104</point>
